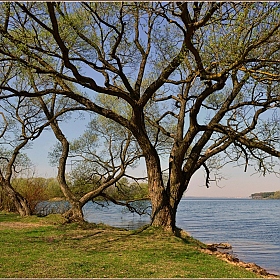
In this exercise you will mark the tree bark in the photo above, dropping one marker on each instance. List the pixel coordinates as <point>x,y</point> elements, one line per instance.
<point>162,213</point>
<point>19,201</point>
<point>75,214</point>
<point>165,199</point>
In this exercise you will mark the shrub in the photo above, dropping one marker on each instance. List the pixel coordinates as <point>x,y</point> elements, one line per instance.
<point>32,189</point>
<point>6,204</point>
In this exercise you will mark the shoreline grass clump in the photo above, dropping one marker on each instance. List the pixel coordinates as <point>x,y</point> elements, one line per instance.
<point>48,247</point>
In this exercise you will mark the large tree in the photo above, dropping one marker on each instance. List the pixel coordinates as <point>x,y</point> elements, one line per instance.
<point>210,69</point>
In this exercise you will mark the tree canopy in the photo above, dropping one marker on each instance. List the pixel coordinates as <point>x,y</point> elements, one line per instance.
<point>200,79</point>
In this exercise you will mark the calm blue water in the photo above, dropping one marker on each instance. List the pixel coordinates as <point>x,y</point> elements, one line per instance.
<point>252,227</point>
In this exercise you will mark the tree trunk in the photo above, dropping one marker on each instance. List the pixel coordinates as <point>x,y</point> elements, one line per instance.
<point>164,206</point>
<point>75,214</point>
<point>21,204</point>
<point>165,199</point>
<point>162,213</point>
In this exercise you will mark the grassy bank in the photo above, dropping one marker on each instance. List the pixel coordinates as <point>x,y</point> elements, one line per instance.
<point>44,247</point>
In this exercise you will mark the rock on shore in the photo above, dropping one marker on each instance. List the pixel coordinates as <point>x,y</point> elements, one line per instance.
<point>224,251</point>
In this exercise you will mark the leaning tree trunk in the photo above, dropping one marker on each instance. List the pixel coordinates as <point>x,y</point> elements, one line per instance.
<point>21,204</point>
<point>75,214</point>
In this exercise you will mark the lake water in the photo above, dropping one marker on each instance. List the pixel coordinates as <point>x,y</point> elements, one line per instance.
<point>252,227</point>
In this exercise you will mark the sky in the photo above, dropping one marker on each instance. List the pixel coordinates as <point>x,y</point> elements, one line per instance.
<point>237,183</point>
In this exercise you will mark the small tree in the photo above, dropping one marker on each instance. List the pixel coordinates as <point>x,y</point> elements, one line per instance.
<point>23,123</point>
<point>11,162</point>
<point>34,190</point>
<point>100,158</point>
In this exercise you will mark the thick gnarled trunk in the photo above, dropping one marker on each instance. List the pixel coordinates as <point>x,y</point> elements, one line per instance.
<point>75,213</point>
<point>21,204</point>
<point>165,199</point>
<point>163,215</point>
<point>164,207</point>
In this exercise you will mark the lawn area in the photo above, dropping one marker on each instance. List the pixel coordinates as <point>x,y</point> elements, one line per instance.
<point>45,247</point>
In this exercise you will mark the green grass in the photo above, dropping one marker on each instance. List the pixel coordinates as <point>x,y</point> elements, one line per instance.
<point>44,247</point>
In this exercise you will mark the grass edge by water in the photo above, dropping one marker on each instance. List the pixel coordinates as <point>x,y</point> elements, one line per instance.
<point>100,251</point>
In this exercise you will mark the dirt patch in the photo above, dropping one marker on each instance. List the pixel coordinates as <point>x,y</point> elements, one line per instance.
<point>18,225</point>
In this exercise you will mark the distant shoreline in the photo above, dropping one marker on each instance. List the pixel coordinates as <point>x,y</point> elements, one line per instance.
<point>213,197</point>
<point>266,195</point>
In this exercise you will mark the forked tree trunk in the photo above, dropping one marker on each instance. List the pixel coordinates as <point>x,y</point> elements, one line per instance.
<point>165,199</point>
<point>75,213</point>
<point>163,214</point>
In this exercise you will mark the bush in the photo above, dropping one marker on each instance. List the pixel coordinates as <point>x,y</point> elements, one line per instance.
<point>32,189</point>
<point>6,204</point>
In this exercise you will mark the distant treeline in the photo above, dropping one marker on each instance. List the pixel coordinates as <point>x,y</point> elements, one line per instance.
<point>266,195</point>
<point>36,190</point>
